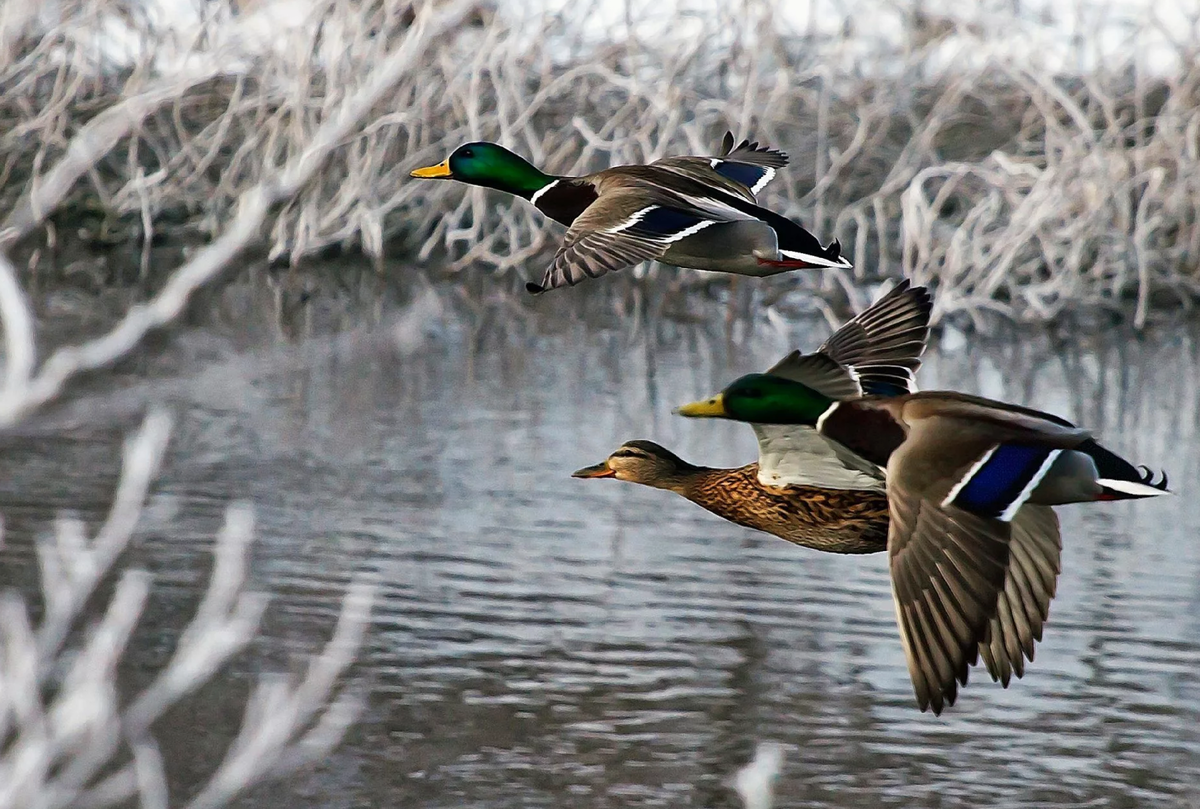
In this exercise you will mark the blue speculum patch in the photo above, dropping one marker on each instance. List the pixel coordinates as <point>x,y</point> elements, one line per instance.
<point>995,485</point>
<point>666,222</point>
<point>741,173</point>
<point>880,388</point>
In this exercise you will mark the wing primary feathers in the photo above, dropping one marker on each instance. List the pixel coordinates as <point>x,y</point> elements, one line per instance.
<point>884,343</point>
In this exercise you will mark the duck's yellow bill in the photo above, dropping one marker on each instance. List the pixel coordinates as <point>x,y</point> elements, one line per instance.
<point>440,171</point>
<point>600,470</point>
<point>708,408</point>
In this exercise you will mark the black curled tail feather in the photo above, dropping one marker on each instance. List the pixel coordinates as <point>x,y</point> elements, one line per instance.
<point>1112,467</point>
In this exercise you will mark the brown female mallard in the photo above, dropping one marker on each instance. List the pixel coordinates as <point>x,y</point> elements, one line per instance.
<point>836,520</point>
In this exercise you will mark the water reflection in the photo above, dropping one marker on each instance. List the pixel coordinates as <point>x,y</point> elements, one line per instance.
<point>545,641</point>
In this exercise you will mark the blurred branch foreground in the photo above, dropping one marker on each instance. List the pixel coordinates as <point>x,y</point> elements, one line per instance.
<point>1025,163</point>
<point>84,745</point>
<point>67,738</point>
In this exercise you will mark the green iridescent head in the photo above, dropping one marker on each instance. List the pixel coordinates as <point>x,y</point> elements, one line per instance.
<point>489,165</point>
<point>762,399</point>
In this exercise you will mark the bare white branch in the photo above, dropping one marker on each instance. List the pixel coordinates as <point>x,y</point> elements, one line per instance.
<point>80,747</point>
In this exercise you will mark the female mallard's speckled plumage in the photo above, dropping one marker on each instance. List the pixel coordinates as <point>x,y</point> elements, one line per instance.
<point>688,211</point>
<point>832,520</point>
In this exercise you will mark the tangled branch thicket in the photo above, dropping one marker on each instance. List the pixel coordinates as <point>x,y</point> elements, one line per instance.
<point>942,152</point>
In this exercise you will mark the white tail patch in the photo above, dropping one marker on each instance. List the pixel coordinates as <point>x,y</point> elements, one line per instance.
<point>965,479</point>
<point>1131,487</point>
<point>819,261</point>
<point>1011,511</point>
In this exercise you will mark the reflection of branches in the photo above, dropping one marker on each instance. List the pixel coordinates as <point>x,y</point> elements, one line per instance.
<point>79,746</point>
<point>755,783</point>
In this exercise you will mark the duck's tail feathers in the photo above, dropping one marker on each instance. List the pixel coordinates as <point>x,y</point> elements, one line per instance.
<point>829,257</point>
<point>1148,486</point>
<point>1120,479</point>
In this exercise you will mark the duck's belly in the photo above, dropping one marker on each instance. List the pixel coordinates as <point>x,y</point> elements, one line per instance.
<point>831,520</point>
<point>733,247</point>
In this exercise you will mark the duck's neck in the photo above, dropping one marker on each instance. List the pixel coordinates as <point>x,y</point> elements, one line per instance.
<point>685,480</point>
<point>560,198</point>
<point>531,185</point>
<point>515,175</point>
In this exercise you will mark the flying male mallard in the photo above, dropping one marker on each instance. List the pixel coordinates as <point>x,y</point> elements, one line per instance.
<point>696,212</point>
<point>973,544</point>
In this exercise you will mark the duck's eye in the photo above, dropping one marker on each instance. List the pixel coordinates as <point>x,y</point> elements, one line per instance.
<point>467,153</point>
<point>752,393</point>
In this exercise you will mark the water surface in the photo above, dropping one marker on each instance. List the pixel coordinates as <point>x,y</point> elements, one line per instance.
<point>545,641</point>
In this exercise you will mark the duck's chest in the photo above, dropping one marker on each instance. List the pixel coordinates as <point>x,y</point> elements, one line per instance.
<point>869,433</point>
<point>563,200</point>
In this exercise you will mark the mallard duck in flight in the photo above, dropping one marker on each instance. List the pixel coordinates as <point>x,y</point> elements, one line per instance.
<point>973,544</point>
<point>878,351</point>
<point>691,211</point>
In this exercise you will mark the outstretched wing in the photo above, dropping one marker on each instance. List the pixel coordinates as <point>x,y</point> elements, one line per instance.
<point>619,230</point>
<point>1035,549</point>
<point>974,565</point>
<point>876,352</point>
<point>820,372</point>
<point>884,343</point>
<point>965,584</point>
<point>948,569</point>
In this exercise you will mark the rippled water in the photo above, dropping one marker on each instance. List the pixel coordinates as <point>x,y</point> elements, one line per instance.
<point>546,641</point>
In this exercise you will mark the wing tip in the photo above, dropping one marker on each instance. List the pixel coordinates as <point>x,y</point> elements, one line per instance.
<point>763,155</point>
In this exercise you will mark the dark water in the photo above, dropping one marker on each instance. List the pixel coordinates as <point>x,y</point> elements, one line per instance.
<point>544,641</point>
